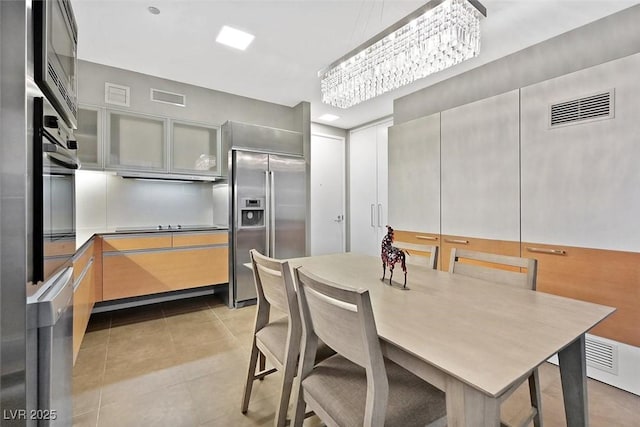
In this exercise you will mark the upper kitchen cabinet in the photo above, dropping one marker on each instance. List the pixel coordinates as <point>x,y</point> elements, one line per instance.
<point>136,142</point>
<point>195,148</point>
<point>580,150</point>
<point>368,166</point>
<point>480,177</point>
<point>89,136</point>
<point>414,175</point>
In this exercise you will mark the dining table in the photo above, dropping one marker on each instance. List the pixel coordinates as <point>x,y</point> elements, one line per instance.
<point>475,340</point>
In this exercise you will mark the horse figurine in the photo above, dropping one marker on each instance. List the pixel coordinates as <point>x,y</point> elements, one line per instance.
<point>391,255</point>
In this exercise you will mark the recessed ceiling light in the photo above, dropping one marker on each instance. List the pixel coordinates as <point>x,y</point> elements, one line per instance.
<point>234,38</point>
<point>328,117</point>
<point>153,10</point>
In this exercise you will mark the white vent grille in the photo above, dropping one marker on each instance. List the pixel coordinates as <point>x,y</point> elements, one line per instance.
<point>165,97</point>
<point>602,355</point>
<point>582,110</point>
<point>117,94</point>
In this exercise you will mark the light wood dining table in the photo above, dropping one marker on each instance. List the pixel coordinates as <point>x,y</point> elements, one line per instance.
<point>475,340</point>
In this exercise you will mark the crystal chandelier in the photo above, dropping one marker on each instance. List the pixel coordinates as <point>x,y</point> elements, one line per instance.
<point>439,35</point>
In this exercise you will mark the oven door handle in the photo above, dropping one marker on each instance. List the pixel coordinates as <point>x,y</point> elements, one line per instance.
<point>60,155</point>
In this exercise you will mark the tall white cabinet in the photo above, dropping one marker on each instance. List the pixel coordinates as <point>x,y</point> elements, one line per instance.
<point>414,175</point>
<point>368,186</point>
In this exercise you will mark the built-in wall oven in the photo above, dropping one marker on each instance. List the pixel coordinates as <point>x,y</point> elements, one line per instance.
<point>56,59</point>
<point>49,296</point>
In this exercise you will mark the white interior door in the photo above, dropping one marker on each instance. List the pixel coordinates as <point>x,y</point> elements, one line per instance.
<point>327,194</point>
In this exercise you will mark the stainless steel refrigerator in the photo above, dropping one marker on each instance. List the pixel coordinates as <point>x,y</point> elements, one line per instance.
<point>268,212</point>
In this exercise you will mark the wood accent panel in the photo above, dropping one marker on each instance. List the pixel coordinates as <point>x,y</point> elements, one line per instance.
<point>183,239</point>
<point>128,275</point>
<point>500,247</point>
<point>97,267</point>
<point>596,275</point>
<point>83,301</point>
<point>81,260</point>
<point>419,238</point>
<point>156,241</point>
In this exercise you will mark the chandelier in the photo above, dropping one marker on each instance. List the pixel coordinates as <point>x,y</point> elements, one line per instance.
<point>440,34</point>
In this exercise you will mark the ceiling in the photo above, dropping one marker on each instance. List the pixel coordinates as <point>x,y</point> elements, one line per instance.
<point>294,39</point>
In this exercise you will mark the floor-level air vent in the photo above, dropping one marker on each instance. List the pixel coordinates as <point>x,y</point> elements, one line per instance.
<point>158,95</point>
<point>581,110</point>
<point>602,355</point>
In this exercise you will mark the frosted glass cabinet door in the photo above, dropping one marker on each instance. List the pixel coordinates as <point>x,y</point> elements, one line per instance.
<point>136,142</point>
<point>195,148</point>
<point>89,137</point>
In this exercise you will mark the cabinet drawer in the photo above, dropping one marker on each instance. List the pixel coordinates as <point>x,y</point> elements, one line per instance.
<point>417,238</point>
<point>83,301</point>
<point>199,239</point>
<point>134,274</point>
<point>601,276</point>
<point>500,247</point>
<point>130,243</point>
<point>81,260</point>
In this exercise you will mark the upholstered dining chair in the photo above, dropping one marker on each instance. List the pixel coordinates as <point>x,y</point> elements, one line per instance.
<point>356,386</point>
<point>507,270</point>
<point>277,341</point>
<point>426,255</point>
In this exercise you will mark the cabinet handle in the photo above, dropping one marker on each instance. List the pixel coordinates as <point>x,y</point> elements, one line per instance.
<point>373,207</point>
<point>548,251</point>
<point>426,237</point>
<point>460,241</point>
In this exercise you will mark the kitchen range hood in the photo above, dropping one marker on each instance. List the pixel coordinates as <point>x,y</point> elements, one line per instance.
<point>168,177</point>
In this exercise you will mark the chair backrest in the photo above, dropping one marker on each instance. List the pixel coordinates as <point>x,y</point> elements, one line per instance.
<point>274,285</point>
<point>426,255</point>
<point>503,269</point>
<point>343,319</point>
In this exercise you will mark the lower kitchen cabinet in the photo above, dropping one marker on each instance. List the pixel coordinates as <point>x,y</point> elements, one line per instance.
<point>500,247</point>
<point>148,265</point>
<point>418,238</point>
<point>84,294</point>
<point>601,276</point>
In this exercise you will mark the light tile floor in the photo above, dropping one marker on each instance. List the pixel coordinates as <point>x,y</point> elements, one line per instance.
<point>183,363</point>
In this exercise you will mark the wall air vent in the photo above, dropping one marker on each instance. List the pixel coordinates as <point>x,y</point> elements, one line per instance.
<point>582,110</point>
<point>602,355</point>
<point>117,94</point>
<point>165,97</point>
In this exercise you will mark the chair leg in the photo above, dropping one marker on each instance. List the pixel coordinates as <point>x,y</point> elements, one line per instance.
<point>288,374</point>
<point>536,397</point>
<point>299,409</point>
<point>263,363</point>
<point>253,360</point>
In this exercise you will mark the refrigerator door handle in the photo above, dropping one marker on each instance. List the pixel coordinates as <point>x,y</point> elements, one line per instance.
<point>272,215</point>
<point>267,212</point>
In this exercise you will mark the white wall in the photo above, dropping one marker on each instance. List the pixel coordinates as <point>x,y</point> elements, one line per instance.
<point>105,202</point>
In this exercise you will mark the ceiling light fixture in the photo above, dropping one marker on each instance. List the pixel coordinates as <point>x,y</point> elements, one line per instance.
<point>440,34</point>
<point>153,10</point>
<point>234,38</point>
<point>328,117</point>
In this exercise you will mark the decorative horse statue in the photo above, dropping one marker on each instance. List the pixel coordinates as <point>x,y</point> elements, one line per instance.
<point>391,255</point>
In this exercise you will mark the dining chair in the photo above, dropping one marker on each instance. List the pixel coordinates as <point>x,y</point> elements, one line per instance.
<point>356,386</point>
<point>276,340</point>
<point>426,255</point>
<point>507,270</point>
